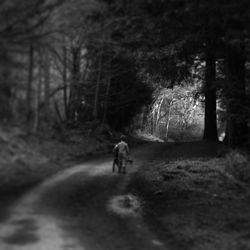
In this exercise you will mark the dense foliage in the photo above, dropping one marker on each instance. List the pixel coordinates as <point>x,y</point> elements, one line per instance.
<point>77,61</point>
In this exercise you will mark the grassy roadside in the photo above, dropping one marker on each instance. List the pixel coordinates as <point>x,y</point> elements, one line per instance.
<point>196,202</point>
<point>27,159</point>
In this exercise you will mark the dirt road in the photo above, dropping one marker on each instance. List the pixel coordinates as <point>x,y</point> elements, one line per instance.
<point>89,207</point>
<point>79,208</point>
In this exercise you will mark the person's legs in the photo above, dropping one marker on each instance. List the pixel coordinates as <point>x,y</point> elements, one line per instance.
<point>124,163</point>
<point>120,163</point>
<point>115,163</point>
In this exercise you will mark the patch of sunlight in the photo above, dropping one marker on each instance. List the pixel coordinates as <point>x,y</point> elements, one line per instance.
<point>147,137</point>
<point>35,232</point>
<point>222,136</point>
<point>157,243</point>
<point>125,205</point>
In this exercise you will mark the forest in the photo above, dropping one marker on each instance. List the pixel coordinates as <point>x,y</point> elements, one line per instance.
<point>173,76</point>
<point>175,69</point>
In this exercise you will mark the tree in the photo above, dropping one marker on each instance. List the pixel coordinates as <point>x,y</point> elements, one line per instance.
<point>236,99</point>
<point>210,130</point>
<point>29,82</point>
<point>22,27</point>
<point>205,29</point>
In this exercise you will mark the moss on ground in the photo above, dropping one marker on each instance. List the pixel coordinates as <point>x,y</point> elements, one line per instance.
<point>197,203</point>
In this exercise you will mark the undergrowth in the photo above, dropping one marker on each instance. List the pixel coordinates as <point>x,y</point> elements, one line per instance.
<point>26,159</point>
<point>224,177</point>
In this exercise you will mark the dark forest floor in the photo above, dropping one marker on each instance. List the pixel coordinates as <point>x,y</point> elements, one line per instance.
<point>196,196</point>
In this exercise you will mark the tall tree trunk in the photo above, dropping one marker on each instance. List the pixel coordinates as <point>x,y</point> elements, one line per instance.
<point>98,80</point>
<point>38,98</point>
<point>46,65</point>
<point>97,89</point>
<point>29,83</point>
<point>158,116</point>
<point>210,130</point>
<point>5,87</point>
<point>152,125</point>
<point>74,85</point>
<point>104,119</point>
<point>85,69</point>
<point>237,129</point>
<point>144,118</point>
<point>169,114</point>
<point>64,79</point>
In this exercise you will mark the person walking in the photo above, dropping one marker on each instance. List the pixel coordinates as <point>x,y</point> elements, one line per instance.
<point>123,154</point>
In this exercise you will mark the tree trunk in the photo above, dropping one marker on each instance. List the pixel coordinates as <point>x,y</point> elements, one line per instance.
<point>38,98</point>
<point>74,86</point>
<point>5,88</point>
<point>210,130</point>
<point>98,80</point>
<point>144,119</point>
<point>236,100</point>
<point>152,125</point>
<point>169,114</point>
<point>58,114</point>
<point>97,89</point>
<point>85,69</point>
<point>104,119</point>
<point>29,83</point>
<point>47,87</point>
<point>64,76</point>
<point>158,116</point>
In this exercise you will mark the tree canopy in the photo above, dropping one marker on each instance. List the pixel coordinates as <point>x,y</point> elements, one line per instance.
<point>101,61</point>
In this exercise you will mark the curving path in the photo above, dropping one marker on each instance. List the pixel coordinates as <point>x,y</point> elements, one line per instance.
<point>70,211</point>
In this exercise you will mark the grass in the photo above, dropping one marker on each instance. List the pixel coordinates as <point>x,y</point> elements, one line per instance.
<point>196,202</point>
<point>224,176</point>
<point>26,159</point>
